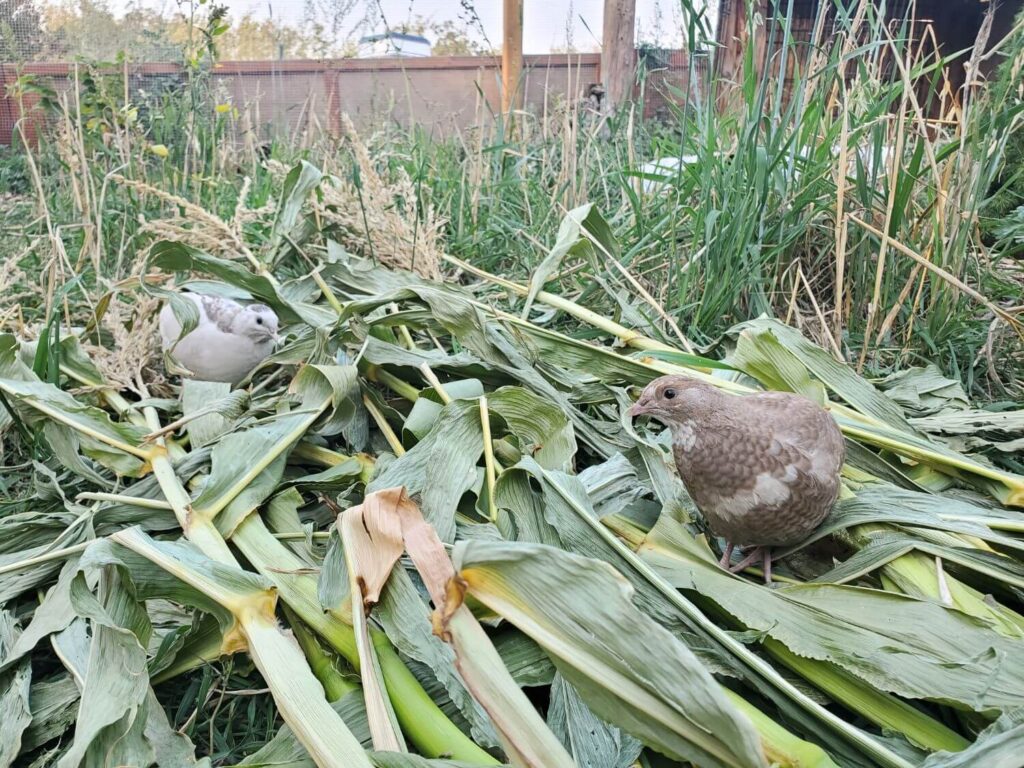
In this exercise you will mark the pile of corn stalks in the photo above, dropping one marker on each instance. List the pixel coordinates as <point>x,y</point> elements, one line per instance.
<point>425,505</point>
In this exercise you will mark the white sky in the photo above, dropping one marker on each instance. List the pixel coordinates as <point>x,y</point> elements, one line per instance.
<point>546,23</point>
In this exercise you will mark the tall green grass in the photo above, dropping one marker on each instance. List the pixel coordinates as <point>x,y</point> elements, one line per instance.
<point>769,219</point>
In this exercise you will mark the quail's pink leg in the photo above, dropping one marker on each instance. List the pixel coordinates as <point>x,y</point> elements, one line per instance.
<point>755,553</point>
<point>727,555</point>
<point>767,565</point>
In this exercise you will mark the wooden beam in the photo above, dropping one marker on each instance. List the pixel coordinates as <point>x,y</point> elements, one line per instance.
<point>618,52</point>
<point>512,56</point>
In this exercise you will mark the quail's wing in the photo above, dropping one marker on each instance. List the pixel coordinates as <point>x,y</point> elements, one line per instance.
<point>804,427</point>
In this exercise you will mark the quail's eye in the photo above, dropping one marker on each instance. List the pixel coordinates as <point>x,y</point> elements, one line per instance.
<point>259,321</point>
<point>668,394</point>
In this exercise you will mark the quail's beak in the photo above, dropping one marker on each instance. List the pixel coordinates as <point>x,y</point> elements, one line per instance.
<point>639,408</point>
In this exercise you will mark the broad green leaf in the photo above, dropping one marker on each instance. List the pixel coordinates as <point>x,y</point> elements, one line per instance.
<point>178,257</point>
<point>441,467</point>
<point>561,515</point>
<point>211,408</point>
<point>782,346</point>
<point>571,521</point>
<point>112,711</point>
<point>629,669</point>
<point>922,391</point>
<point>241,457</point>
<point>67,449</point>
<point>572,239</point>
<point>523,658</point>
<point>909,647</point>
<point>52,615</point>
<point>428,407</point>
<point>540,426</point>
<point>39,401</point>
<point>54,709</point>
<point>882,503</point>
<point>15,688</point>
<point>886,547</point>
<point>177,571</point>
<point>300,181</point>
<point>761,356</point>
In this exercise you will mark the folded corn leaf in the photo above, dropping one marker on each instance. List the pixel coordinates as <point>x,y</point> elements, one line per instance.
<point>218,405</point>
<point>113,708</point>
<point>54,709</point>
<point>572,240</point>
<point>302,179</point>
<point>886,547</point>
<point>627,668</point>
<point>909,647</point>
<point>247,465</point>
<point>118,446</point>
<point>924,390</point>
<point>15,689</point>
<point>541,428</point>
<point>53,614</point>
<point>780,358</point>
<point>998,746</point>
<point>883,503</point>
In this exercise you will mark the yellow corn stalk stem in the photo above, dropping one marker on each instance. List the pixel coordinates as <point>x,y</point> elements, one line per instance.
<point>782,748</point>
<point>325,457</point>
<point>336,685</point>
<point>398,386</point>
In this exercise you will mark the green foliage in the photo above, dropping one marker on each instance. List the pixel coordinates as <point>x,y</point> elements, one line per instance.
<point>1007,192</point>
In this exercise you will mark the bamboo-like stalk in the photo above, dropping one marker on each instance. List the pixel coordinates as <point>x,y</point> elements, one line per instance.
<point>625,335</point>
<point>46,557</point>
<point>425,725</point>
<point>435,383</point>
<point>382,424</point>
<point>398,386</point>
<point>781,747</point>
<point>297,693</point>
<point>489,463</point>
<point>335,684</point>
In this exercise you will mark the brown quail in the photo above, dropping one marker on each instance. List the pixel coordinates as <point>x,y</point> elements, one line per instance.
<point>763,469</point>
